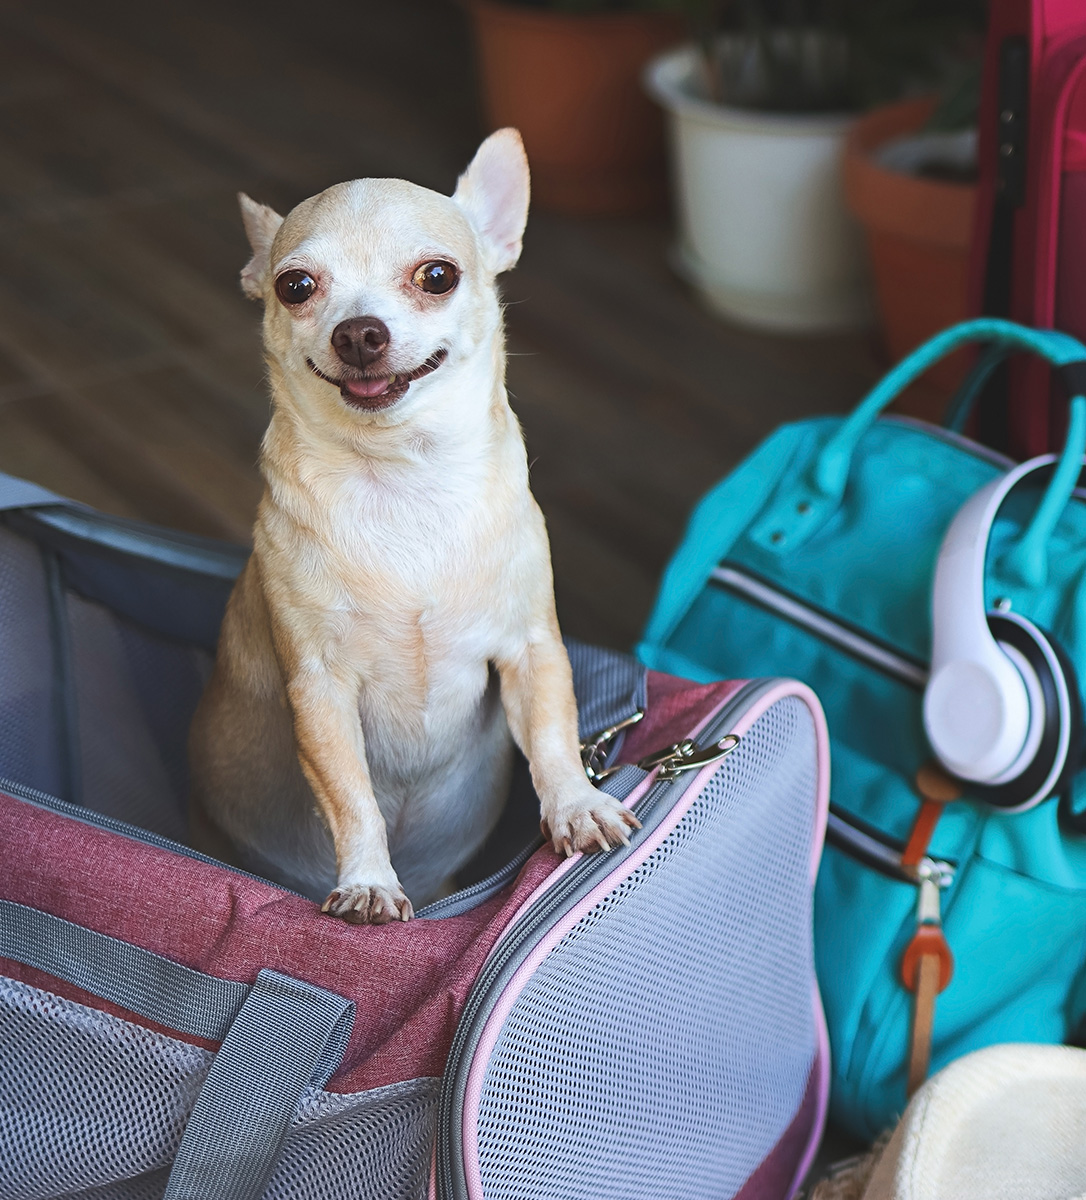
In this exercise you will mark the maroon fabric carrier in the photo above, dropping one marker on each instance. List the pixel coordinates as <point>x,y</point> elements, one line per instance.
<point>643,1023</point>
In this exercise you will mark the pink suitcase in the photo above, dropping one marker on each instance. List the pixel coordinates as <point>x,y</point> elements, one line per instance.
<point>1029,246</point>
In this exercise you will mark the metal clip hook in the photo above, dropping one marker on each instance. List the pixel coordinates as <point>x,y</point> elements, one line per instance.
<point>594,749</point>
<point>687,756</point>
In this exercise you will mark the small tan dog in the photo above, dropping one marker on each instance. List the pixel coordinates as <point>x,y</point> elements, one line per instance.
<point>396,619</point>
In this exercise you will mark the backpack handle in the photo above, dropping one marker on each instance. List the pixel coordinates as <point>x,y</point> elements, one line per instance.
<point>802,510</point>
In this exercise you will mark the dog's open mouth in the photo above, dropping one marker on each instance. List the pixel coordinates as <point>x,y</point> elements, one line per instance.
<point>374,392</point>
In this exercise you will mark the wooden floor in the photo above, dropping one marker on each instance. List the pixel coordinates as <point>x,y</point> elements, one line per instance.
<point>130,367</point>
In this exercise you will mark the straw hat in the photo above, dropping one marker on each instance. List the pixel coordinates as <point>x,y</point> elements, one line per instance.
<point>1005,1123</point>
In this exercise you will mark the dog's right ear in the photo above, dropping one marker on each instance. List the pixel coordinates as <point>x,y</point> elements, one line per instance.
<point>261,225</point>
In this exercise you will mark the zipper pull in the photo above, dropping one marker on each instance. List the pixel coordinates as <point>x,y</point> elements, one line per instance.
<point>927,965</point>
<point>687,755</point>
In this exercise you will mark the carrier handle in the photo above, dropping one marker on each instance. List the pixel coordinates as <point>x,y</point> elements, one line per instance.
<point>802,510</point>
<point>287,1035</point>
<point>278,1037</point>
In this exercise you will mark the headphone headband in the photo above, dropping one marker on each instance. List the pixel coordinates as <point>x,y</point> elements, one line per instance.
<point>978,703</point>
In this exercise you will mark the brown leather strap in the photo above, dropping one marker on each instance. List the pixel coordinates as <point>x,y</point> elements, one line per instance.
<point>927,988</point>
<point>936,789</point>
<point>923,828</point>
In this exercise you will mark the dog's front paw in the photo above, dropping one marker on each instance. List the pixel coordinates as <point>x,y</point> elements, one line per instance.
<point>368,904</point>
<point>595,821</point>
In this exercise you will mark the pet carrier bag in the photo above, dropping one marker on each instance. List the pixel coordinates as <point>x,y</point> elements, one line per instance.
<point>642,1023</point>
<point>1028,257</point>
<point>819,551</point>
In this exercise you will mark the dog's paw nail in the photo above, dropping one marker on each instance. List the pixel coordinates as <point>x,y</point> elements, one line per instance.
<point>361,904</point>
<point>600,826</point>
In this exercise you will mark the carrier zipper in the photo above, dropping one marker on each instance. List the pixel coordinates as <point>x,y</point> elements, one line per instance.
<point>447,906</point>
<point>741,582</point>
<point>524,933</point>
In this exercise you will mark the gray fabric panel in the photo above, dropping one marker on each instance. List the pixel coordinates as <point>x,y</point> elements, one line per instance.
<point>109,1130</point>
<point>142,982</point>
<point>287,1035</point>
<point>29,745</point>
<point>18,493</point>
<point>136,696</point>
<point>610,686</point>
<point>663,1047</point>
<point>174,585</point>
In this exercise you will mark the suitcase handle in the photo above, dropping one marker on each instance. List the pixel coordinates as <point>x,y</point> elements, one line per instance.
<point>804,509</point>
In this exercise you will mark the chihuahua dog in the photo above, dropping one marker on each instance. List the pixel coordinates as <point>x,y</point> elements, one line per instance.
<point>396,619</point>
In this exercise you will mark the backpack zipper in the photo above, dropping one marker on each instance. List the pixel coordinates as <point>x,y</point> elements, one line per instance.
<point>880,852</point>
<point>862,842</point>
<point>516,942</point>
<point>851,640</point>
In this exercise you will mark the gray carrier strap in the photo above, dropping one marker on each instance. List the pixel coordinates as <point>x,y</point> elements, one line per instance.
<point>287,1034</point>
<point>610,687</point>
<point>278,1037</point>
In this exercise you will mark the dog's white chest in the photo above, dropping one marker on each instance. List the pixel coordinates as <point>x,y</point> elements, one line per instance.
<point>415,606</point>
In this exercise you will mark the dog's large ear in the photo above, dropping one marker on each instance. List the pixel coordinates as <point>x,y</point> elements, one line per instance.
<point>493,193</point>
<point>261,225</point>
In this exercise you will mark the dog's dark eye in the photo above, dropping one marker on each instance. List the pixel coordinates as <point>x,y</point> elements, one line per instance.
<point>436,278</point>
<point>295,287</point>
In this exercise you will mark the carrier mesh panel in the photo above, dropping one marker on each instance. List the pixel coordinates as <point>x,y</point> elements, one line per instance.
<point>28,734</point>
<point>109,1130</point>
<point>665,1044</point>
<point>132,696</point>
<point>136,694</point>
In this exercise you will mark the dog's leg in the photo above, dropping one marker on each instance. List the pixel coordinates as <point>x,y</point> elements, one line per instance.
<point>537,692</point>
<point>332,753</point>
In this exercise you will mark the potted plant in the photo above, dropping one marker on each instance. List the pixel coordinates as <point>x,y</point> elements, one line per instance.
<point>759,114</point>
<point>567,73</point>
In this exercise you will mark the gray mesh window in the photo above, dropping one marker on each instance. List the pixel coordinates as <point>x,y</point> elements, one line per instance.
<point>109,1129</point>
<point>666,1043</point>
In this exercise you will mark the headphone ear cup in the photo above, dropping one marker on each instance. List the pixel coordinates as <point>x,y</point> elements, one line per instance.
<point>1060,743</point>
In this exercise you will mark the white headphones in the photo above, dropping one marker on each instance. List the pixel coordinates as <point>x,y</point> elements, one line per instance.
<point>1001,708</point>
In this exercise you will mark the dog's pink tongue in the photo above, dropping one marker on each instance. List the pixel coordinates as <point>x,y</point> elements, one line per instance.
<point>367,387</point>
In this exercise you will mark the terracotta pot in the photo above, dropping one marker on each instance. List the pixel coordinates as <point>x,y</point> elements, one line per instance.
<point>918,235</point>
<point>571,84</point>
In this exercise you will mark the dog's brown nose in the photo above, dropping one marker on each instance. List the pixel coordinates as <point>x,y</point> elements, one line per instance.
<point>361,340</point>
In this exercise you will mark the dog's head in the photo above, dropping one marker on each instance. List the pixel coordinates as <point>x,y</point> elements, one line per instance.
<point>374,288</point>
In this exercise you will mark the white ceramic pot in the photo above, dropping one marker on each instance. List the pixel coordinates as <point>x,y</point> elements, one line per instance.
<point>764,234</point>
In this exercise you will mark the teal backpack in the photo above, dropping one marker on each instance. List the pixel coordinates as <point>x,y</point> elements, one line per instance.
<point>815,559</point>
